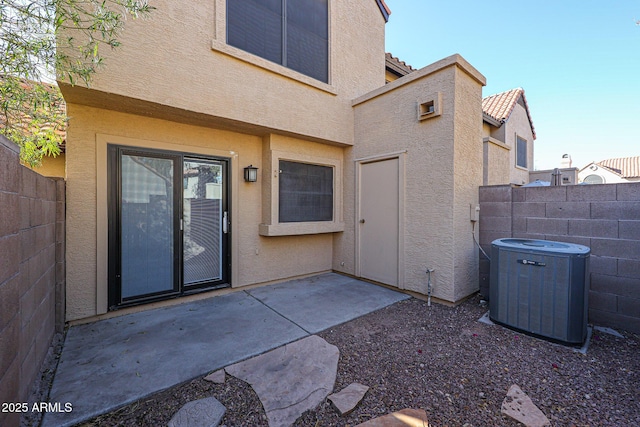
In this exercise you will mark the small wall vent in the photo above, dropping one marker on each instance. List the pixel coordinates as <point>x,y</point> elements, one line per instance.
<point>540,287</point>
<point>431,107</point>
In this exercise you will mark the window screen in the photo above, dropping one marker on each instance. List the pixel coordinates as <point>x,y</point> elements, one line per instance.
<point>293,33</point>
<point>305,192</point>
<point>256,27</point>
<point>521,152</point>
<point>307,38</point>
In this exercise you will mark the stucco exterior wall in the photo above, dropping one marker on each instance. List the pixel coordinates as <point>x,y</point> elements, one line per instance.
<point>518,123</point>
<point>53,167</point>
<point>194,94</point>
<point>496,159</point>
<point>467,177</point>
<point>500,151</point>
<point>255,258</point>
<point>185,65</point>
<point>436,175</point>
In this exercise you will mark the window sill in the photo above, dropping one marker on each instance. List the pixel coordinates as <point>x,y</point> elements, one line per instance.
<point>522,168</point>
<point>300,228</point>
<point>271,66</point>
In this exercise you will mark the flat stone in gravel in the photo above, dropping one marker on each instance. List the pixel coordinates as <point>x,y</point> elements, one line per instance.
<point>291,379</point>
<point>216,377</point>
<point>519,406</point>
<point>403,418</point>
<point>199,413</point>
<point>348,398</point>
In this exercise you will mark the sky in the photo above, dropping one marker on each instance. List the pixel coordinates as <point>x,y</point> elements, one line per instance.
<point>578,62</point>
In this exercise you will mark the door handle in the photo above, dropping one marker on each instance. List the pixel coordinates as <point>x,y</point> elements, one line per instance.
<point>225,223</point>
<point>362,221</point>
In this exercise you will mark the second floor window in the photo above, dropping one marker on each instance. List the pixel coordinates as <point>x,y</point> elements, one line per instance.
<point>292,33</point>
<point>521,152</point>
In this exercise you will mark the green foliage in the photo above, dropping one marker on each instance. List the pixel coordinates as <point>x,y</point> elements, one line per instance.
<point>39,38</point>
<point>32,115</point>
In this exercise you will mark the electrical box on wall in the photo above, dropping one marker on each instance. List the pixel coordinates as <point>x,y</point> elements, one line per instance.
<point>474,213</point>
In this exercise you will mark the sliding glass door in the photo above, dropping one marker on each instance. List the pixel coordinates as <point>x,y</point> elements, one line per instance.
<point>168,225</point>
<point>203,220</point>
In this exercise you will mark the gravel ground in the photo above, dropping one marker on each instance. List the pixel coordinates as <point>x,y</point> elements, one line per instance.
<point>440,359</point>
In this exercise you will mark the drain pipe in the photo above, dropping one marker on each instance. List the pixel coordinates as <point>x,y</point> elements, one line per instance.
<point>429,271</point>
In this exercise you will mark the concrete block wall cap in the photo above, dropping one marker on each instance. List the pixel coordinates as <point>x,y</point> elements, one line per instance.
<point>449,61</point>
<point>6,142</point>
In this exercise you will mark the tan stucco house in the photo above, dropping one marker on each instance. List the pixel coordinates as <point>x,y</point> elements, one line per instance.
<point>508,136</point>
<point>374,180</point>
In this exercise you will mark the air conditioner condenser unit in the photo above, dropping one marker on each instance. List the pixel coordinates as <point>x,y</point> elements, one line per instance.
<point>540,287</point>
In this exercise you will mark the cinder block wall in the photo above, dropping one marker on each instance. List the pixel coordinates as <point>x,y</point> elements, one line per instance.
<point>31,274</point>
<point>604,217</point>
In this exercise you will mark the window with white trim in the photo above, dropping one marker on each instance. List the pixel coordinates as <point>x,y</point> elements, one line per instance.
<point>292,33</point>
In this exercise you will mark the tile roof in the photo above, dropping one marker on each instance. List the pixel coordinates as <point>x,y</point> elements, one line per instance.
<point>626,167</point>
<point>384,9</point>
<point>397,66</point>
<point>500,106</point>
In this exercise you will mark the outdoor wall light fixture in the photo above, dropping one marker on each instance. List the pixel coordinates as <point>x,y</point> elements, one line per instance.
<point>251,173</point>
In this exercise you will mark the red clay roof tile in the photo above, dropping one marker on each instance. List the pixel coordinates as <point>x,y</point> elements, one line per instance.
<point>500,106</point>
<point>626,167</point>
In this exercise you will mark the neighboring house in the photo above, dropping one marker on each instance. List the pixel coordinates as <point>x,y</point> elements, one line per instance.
<point>568,173</point>
<point>395,68</point>
<point>508,136</point>
<point>611,171</point>
<point>357,176</point>
<point>568,176</point>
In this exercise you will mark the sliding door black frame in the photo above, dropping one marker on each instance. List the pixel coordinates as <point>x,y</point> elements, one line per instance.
<point>114,195</point>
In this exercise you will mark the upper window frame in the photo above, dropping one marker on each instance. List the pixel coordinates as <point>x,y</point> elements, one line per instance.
<point>285,54</point>
<point>526,152</point>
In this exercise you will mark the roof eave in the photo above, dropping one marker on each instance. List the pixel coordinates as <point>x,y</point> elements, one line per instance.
<point>491,120</point>
<point>396,68</point>
<point>384,9</point>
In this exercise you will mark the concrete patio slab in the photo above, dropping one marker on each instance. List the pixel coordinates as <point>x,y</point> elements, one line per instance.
<point>320,302</point>
<point>113,362</point>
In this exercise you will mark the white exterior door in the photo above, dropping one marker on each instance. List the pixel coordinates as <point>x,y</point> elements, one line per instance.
<point>378,222</point>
